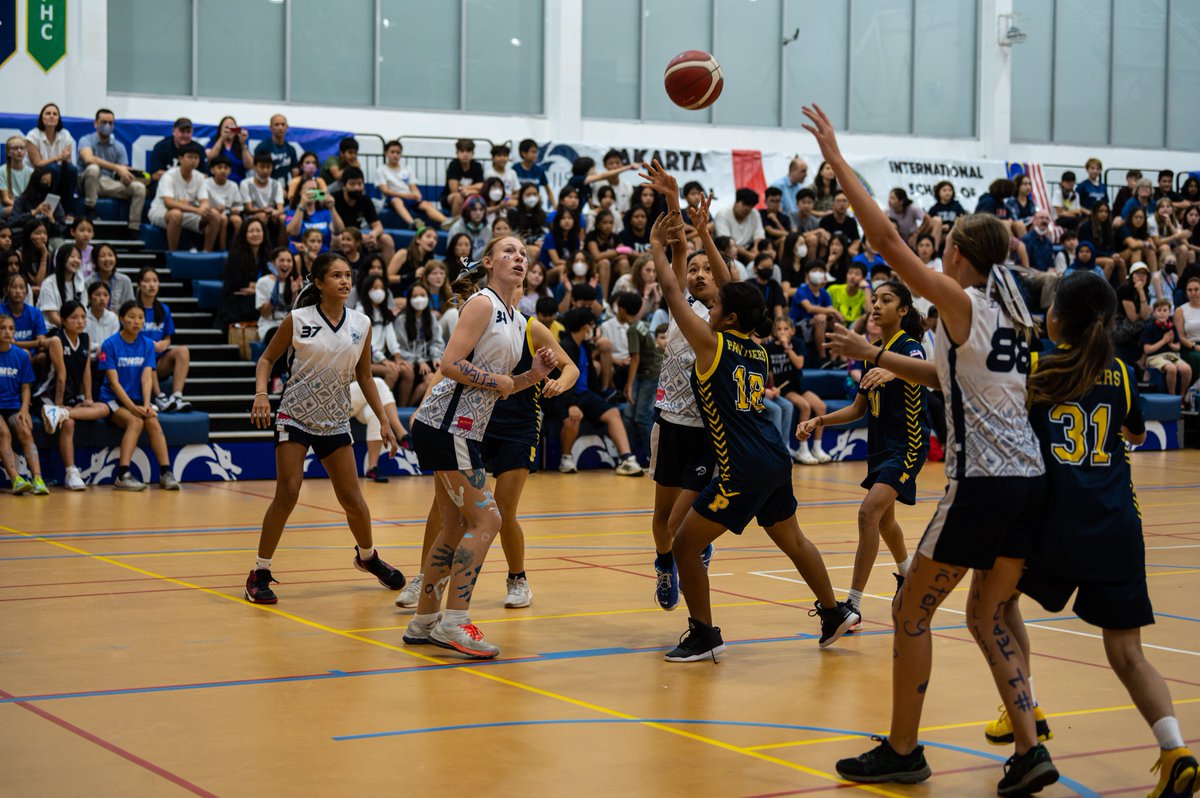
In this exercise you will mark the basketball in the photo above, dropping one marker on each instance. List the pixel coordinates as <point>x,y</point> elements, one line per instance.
<point>693,80</point>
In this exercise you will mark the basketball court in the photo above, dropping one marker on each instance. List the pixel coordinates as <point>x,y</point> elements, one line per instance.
<point>132,664</point>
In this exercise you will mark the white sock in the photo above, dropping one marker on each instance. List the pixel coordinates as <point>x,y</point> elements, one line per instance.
<point>178,394</point>
<point>426,620</point>
<point>855,598</point>
<point>261,563</point>
<point>365,554</point>
<point>1166,731</point>
<point>904,566</point>
<point>804,447</point>
<point>456,617</point>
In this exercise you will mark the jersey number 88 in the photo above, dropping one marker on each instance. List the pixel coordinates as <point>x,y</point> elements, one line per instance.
<point>1009,350</point>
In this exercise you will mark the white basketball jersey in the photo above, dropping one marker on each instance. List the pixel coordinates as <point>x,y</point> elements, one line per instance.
<point>465,410</point>
<point>983,381</point>
<point>676,400</point>
<point>317,396</point>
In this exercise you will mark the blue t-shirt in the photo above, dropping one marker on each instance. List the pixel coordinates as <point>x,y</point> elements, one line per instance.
<point>320,219</point>
<point>158,329</point>
<point>1132,205</point>
<point>16,369</point>
<point>30,324</point>
<point>128,360</point>
<point>237,167</point>
<point>821,300</point>
<point>534,174</point>
<point>1090,193</point>
<point>283,155</point>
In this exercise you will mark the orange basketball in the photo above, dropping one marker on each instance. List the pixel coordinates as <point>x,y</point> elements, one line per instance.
<point>693,80</point>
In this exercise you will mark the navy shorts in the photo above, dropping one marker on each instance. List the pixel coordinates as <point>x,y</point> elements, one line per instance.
<point>500,455</point>
<point>680,456</point>
<point>733,509</point>
<point>899,472</point>
<point>322,445</point>
<point>1108,605</point>
<point>982,518</point>
<point>591,404</point>
<point>438,450</point>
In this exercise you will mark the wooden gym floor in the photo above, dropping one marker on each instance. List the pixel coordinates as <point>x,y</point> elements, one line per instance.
<point>130,664</point>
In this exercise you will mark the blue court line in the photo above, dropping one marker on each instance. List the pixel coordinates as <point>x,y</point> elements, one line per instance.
<point>1177,617</point>
<point>1071,783</point>
<point>1179,567</point>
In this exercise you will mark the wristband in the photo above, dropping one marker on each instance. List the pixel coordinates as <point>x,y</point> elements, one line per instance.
<point>261,393</point>
<point>879,357</point>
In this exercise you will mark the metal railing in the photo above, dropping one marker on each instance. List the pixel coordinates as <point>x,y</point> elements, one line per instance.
<point>426,170</point>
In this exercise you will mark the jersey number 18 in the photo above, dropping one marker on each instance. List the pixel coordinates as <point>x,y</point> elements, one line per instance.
<point>750,389</point>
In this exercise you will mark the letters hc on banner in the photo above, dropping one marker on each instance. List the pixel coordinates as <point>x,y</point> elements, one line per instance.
<point>46,32</point>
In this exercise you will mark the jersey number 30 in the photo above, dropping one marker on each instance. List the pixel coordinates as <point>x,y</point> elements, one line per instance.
<point>1074,449</point>
<point>750,388</point>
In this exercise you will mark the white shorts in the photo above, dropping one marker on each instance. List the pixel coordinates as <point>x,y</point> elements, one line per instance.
<point>361,411</point>
<point>158,218</point>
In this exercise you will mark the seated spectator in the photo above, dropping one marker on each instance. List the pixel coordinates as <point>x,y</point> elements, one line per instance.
<point>642,281</point>
<point>182,202</point>
<point>306,254</point>
<point>127,363</point>
<point>605,250</point>
<point>370,265</point>
<point>995,202</point>
<point>1020,205</point>
<point>231,141</point>
<point>356,210</point>
<point>1187,323</point>
<point>282,153</point>
<point>15,175</point>
<point>313,210</point>
<point>350,243</point>
<point>16,387</point>
<point>120,287</point>
<point>1133,312</point>
<point>1124,194</point>
<point>166,153</point>
<point>247,262</point>
<point>530,172</point>
<point>764,280</point>
<point>35,204</point>
<point>474,224</point>
<point>6,240</point>
<point>839,221</point>
<point>29,325</point>
<point>1136,239</point>
<point>1085,260</point>
<point>563,242</point>
<point>1169,236</point>
<point>10,263</point>
<point>1040,276</point>
<point>645,363</point>
<point>36,264</point>
<point>1190,195</point>
<point>225,199</point>
<point>498,203</point>
<point>837,262</point>
<point>101,322</point>
<point>528,217</point>
<point>1098,230</point>
<point>1064,257</point>
<point>274,294</point>
<point>262,198</point>
<point>812,309</point>
<point>636,235</point>
<point>65,284</point>
<point>464,177</point>
<point>52,146</point>
<point>911,220</point>
<point>1067,204</point>
<point>1143,197</point>
<point>825,189</point>
<point>851,297</point>
<point>947,208</point>
<point>787,370</point>
<point>310,167</point>
<point>1191,223</point>
<point>1161,345</point>
<point>335,165</point>
<point>606,200</point>
<point>869,259</point>
<point>400,191</point>
<point>408,265</point>
<point>436,281</point>
<point>534,287</point>
<point>742,224</point>
<point>777,225</point>
<point>65,396</point>
<point>362,412</point>
<point>104,170</point>
<point>570,409</point>
<point>499,169</point>
<point>419,343</point>
<point>643,196</point>
<point>808,237</point>
<point>790,184</point>
<point>82,233</point>
<point>170,361</point>
<point>1092,190</point>
<point>926,251</point>
<point>1166,187</point>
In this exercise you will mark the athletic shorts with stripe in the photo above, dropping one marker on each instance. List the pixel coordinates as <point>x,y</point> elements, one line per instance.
<point>680,456</point>
<point>322,445</point>
<point>900,473</point>
<point>438,450</point>
<point>501,455</point>
<point>982,518</point>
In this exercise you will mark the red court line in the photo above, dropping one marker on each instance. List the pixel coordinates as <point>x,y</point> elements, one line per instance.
<point>116,749</point>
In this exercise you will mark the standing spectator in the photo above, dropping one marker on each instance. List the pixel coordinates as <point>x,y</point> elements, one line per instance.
<point>16,386</point>
<point>120,287</point>
<point>225,200</point>
<point>104,170</point>
<point>101,322</point>
<point>911,220</point>
<point>1124,194</point>
<point>232,141</point>
<point>790,184</point>
<point>166,153</point>
<point>52,146</point>
<point>742,224</point>
<point>400,191</point>
<point>464,177</point>
<point>182,201</point>
<point>283,154</point>
<point>335,165</point>
<point>1067,203</point>
<point>15,176</point>
<point>1093,189</point>
<point>645,362</point>
<point>530,171</point>
<point>246,263</point>
<point>947,208</point>
<point>839,222</point>
<point>262,198</point>
<point>777,225</point>
<point>357,210</point>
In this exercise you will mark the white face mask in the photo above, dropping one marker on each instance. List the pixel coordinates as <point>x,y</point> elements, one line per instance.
<point>377,295</point>
<point>419,303</point>
<point>817,277</point>
<point>801,248</point>
<point>876,283</point>
<point>496,194</point>
<point>580,269</point>
<point>530,200</point>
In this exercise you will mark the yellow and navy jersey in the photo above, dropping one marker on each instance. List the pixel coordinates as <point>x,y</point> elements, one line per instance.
<point>1093,525</point>
<point>518,418</point>
<point>729,392</point>
<point>896,423</point>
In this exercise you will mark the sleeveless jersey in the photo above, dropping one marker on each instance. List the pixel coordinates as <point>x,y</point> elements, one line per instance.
<point>675,400</point>
<point>750,453</point>
<point>518,419</point>
<point>983,381</point>
<point>465,410</point>
<point>75,359</point>
<point>316,398</point>
<point>896,423</point>
<point>1093,526</point>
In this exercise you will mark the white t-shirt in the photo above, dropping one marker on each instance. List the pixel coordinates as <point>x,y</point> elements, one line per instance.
<point>398,179</point>
<point>48,298</point>
<point>227,196</point>
<point>263,290</point>
<point>615,331</point>
<point>20,178</point>
<point>512,183</point>
<point>101,329</point>
<point>50,151</point>
<point>268,196</point>
<point>745,232</point>
<point>174,186</point>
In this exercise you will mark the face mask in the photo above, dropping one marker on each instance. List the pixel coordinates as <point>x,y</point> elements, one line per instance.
<point>377,295</point>
<point>876,283</point>
<point>530,200</point>
<point>419,303</point>
<point>801,249</point>
<point>106,129</point>
<point>817,277</point>
<point>310,169</point>
<point>765,274</point>
<point>496,194</point>
<point>579,269</point>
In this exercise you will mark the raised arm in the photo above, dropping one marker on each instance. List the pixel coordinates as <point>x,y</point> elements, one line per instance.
<point>716,261</point>
<point>851,345</point>
<point>694,329</point>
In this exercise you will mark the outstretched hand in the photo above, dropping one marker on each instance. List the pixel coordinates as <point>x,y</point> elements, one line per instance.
<point>822,130</point>
<point>659,179</point>
<point>848,344</point>
<point>698,213</point>
<point>667,227</point>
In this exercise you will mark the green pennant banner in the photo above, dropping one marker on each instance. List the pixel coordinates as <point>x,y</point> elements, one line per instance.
<point>46,32</point>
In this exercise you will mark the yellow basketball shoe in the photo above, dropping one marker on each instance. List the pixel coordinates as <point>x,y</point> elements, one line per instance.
<point>1000,732</point>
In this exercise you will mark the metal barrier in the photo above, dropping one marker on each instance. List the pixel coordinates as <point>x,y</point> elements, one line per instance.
<point>426,170</point>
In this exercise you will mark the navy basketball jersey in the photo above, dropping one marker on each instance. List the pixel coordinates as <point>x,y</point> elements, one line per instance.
<point>518,418</point>
<point>750,453</point>
<point>896,413</point>
<point>1093,526</point>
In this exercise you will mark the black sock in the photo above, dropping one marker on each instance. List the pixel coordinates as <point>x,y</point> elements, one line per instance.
<point>122,471</point>
<point>664,561</point>
<point>511,575</point>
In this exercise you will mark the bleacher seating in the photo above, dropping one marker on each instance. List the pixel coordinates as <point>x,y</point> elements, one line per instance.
<point>196,265</point>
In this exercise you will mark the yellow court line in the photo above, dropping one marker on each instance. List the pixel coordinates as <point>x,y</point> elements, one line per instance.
<point>948,726</point>
<point>472,671</point>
